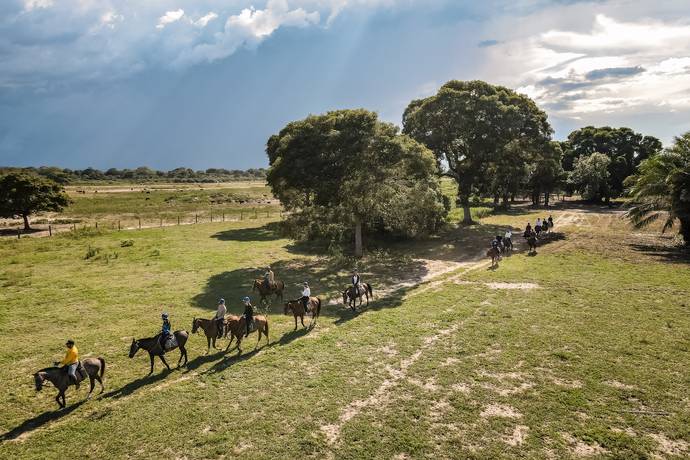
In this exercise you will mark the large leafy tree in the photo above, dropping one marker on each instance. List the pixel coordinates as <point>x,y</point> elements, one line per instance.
<point>545,172</point>
<point>23,194</point>
<point>625,148</point>
<point>590,176</point>
<point>661,189</point>
<point>469,125</point>
<point>347,171</point>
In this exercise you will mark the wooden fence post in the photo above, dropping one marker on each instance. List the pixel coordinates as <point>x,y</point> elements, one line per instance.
<point>161,222</point>
<point>268,213</point>
<point>196,219</point>
<point>178,220</point>
<point>140,223</point>
<point>19,234</point>
<point>256,215</point>
<point>50,230</point>
<point>223,217</point>
<point>74,227</point>
<point>96,224</point>
<point>118,225</point>
<point>241,215</point>
<point>211,217</point>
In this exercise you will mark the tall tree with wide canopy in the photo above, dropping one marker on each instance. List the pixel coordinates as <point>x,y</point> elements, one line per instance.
<point>661,189</point>
<point>23,194</point>
<point>347,168</point>
<point>468,125</point>
<point>590,177</point>
<point>625,148</point>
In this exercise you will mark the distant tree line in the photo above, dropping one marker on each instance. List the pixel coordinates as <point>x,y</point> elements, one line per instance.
<point>141,174</point>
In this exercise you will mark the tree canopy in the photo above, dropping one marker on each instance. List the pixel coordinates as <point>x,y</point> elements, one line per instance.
<point>661,189</point>
<point>590,176</point>
<point>473,125</point>
<point>625,148</point>
<point>24,194</point>
<point>345,170</point>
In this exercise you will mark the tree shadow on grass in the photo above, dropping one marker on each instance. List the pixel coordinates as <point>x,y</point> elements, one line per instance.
<point>663,252</point>
<point>38,421</point>
<point>268,232</point>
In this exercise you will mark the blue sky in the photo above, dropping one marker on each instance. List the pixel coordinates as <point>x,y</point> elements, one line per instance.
<point>203,83</point>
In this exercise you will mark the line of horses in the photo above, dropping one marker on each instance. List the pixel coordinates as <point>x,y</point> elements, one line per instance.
<point>235,328</point>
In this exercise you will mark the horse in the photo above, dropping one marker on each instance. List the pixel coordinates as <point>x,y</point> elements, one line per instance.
<point>266,291</point>
<point>350,295</point>
<point>297,307</point>
<point>236,327</point>
<point>507,245</point>
<point>210,328</point>
<point>532,242</point>
<point>495,256</point>
<point>94,367</point>
<point>153,346</point>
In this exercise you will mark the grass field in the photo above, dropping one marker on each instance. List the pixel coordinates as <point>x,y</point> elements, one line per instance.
<point>579,351</point>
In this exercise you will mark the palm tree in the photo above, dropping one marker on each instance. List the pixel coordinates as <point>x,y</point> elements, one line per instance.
<point>661,189</point>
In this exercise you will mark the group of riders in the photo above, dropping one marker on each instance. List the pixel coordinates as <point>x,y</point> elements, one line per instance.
<point>504,242</point>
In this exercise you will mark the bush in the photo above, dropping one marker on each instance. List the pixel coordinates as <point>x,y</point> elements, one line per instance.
<point>91,252</point>
<point>127,243</point>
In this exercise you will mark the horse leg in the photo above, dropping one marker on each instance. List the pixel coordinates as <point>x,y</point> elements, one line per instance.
<point>295,322</point>
<point>100,381</point>
<point>151,357</point>
<point>232,337</point>
<point>208,344</point>
<point>164,362</point>
<point>301,319</point>
<point>213,340</point>
<point>92,382</point>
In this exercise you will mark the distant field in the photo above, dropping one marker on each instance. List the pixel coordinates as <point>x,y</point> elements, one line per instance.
<point>578,351</point>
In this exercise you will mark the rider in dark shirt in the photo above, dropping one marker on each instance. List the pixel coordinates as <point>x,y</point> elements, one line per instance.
<point>248,314</point>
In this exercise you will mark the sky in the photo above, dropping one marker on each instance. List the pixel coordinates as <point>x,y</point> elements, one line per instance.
<point>204,83</point>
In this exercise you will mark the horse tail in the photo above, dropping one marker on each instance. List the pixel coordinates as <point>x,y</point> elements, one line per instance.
<point>102,366</point>
<point>371,290</point>
<point>318,307</point>
<point>266,330</point>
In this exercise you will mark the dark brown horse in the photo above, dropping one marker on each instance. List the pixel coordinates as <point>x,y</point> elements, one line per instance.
<point>297,307</point>
<point>495,256</point>
<point>532,243</point>
<point>350,295</point>
<point>236,327</point>
<point>94,367</point>
<point>210,328</point>
<point>265,292</point>
<point>153,346</point>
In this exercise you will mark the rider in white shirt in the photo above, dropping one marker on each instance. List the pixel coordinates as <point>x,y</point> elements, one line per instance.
<point>306,293</point>
<point>220,317</point>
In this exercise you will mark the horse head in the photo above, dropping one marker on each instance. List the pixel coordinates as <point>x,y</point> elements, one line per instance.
<point>133,348</point>
<point>195,325</point>
<point>287,306</point>
<point>38,380</point>
<point>345,297</point>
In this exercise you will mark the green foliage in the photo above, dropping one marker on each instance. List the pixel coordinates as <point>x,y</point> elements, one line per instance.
<point>346,167</point>
<point>92,252</point>
<point>127,243</point>
<point>475,128</point>
<point>24,194</point>
<point>625,148</point>
<point>661,189</point>
<point>590,176</point>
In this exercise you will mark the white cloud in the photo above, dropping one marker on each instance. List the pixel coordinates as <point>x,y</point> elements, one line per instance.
<point>612,66</point>
<point>169,18</point>
<point>204,20</point>
<point>34,4</point>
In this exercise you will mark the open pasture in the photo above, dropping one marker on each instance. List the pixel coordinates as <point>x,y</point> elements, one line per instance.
<point>579,351</point>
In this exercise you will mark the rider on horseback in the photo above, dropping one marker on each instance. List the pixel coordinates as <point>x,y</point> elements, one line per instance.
<point>306,294</point>
<point>248,314</point>
<point>71,362</point>
<point>220,317</point>
<point>550,221</point>
<point>356,281</point>
<point>528,231</point>
<point>165,330</point>
<point>495,243</point>
<point>508,238</point>
<point>269,278</point>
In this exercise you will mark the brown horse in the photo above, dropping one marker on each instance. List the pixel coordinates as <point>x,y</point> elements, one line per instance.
<point>236,327</point>
<point>94,367</point>
<point>297,307</point>
<point>495,256</point>
<point>153,346</point>
<point>265,292</point>
<point>210,328</point>
<point>350,295</point>
<point>532,242</point>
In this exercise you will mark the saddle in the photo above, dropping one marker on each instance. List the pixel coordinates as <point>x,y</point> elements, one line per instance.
<point>252,325</point>
<point>81,371</point>
<point>170,343</point>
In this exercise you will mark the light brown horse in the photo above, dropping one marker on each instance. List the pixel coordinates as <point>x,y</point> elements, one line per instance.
<point>495,256</point>
<point>350,295</point>
<point>94,367</point>
<point>236,327</point>
<point>297,307</point>
<point>210,328</point>
<point>265,291</point>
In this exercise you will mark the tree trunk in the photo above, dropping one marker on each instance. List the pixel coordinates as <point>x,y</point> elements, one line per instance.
<point>358,238</point>
<point>464,197</point>
<point>546,199</point>
<point>496,198</point>
<point>506,203</point>
<point>512,198</point>
<point>27,227</point>
<point>685,231</point>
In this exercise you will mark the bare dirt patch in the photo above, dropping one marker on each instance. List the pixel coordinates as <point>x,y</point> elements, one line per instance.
<point>580,449</point>
<point>517,437</point>
<point>500,410</point>
<point>670,447</point>
<point>520,286</point>
<point>619,385</point>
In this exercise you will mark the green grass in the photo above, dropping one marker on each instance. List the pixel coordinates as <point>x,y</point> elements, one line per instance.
<point>605,332</point>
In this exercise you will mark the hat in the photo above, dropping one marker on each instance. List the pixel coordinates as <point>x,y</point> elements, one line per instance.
<point>164,316</point>
<point>70,342</point>
<point>221,300</point>
<point>305,283</point>
<point>246,299</point>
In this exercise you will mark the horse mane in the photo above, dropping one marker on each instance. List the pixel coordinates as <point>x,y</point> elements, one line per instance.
<point>46,369</point>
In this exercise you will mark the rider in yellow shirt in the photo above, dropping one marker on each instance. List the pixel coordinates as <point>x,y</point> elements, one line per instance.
<point>71,361</point>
